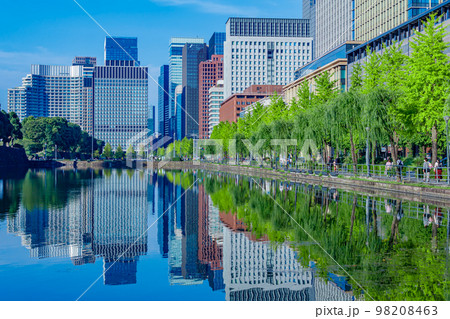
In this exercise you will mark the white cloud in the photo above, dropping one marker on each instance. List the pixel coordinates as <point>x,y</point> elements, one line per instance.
<point>209,6</point>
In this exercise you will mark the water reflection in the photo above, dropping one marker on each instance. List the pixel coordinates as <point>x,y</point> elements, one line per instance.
<point>228,231</point>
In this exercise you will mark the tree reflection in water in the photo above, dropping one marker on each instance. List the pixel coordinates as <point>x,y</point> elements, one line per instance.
<point>381,242</point>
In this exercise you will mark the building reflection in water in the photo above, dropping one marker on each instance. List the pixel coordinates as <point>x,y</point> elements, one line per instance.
<point>108,219</point>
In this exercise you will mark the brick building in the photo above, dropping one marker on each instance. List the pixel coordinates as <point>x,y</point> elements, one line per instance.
<point>231,108</point>
<point>209,73</point>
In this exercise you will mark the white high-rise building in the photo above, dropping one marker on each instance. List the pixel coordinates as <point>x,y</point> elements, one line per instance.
<point>215,100</point>
<point>55,91</point>
<point>264,51</point>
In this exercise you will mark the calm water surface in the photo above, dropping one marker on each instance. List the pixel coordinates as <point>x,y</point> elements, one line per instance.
<point>130,235</point>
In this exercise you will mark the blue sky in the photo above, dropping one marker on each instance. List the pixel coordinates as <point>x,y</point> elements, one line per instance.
<point>53,32</point>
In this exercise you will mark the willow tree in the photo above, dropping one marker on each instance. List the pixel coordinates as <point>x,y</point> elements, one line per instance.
<point>380,112</point>
<point>428,81</point>
<point>326,90</point>
<point>264,132</point>
<point>344,114</point>
<point>281,130</point>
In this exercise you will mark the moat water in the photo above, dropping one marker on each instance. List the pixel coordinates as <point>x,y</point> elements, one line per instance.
<point>134,235</point>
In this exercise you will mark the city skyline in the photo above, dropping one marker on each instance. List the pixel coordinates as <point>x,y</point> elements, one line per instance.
<point>63,31</point>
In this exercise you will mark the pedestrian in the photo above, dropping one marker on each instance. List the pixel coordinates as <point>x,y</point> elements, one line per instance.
<point>387,170</point>
<point>337,162</point>
<point>399,169</point>
<point>438,170</point>
<point>426,170</point>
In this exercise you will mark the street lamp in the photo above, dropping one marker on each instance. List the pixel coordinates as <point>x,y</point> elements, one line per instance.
<point>446,118</point>
<point>367,152</point>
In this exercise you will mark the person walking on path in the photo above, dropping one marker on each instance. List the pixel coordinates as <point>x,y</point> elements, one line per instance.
<point>438,170</point>
<point>387,170</point>
<point>399,170</point>
<point>426,170</point>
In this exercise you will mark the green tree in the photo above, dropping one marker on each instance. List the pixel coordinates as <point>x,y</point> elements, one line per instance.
<point>142,151</point>
<point>305,97</point>
<point>6,128</point>
<point>119,154</point>
<point>325,88</point>
<point>372,71</point>
<point>16,133</point>
<point>428,80</point>
<point>344,114</point>
<point>131,152</point>
<point>169,150</point>
<point>160,152</point>
<point>357,77</point>
<point>107,152</point>
<point>379,114</point>
<point>187,147</point>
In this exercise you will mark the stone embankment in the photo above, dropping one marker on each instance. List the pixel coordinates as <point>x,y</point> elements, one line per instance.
<point>12,157</point>
<point>437,196</point>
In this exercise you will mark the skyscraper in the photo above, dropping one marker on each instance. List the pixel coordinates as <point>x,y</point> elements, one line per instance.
<point>56,91</point>
<point>121,103</point>
<point>216,44</point>
<point>152,120</point>
<point>210,72</point>
<point>193,55</point>
<point>121,49</point>
<point>121,94</point>
<point>180,114</point>
<point>309,13</point>
<point>373,18</point>
<point>176,74</point>
<point>417,7</point>
<point>215,101</point>
<point>264,51</point>
<point>163,101</point>
<point>336,22</point>
<point>333,24</point>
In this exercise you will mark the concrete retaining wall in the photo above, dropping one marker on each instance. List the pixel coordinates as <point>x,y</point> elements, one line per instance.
<point>437,196</point>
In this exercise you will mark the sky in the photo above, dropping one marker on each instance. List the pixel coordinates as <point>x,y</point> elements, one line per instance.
<point>53,32</point>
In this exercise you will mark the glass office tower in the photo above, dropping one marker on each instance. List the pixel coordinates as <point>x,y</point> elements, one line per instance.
<point>163,101</point>
<point>216,44</point>
<point>193,55</point>
<point>416,7</point>
<point>176,74</point>
<point>121,49</point>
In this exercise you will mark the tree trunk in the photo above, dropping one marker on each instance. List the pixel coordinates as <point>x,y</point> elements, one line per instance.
<point>354,159</point>
<point>355,199</point>
<point>374,151</point>
<point>394,144</point>
<point>433,144</point>
<point>394,227</point>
